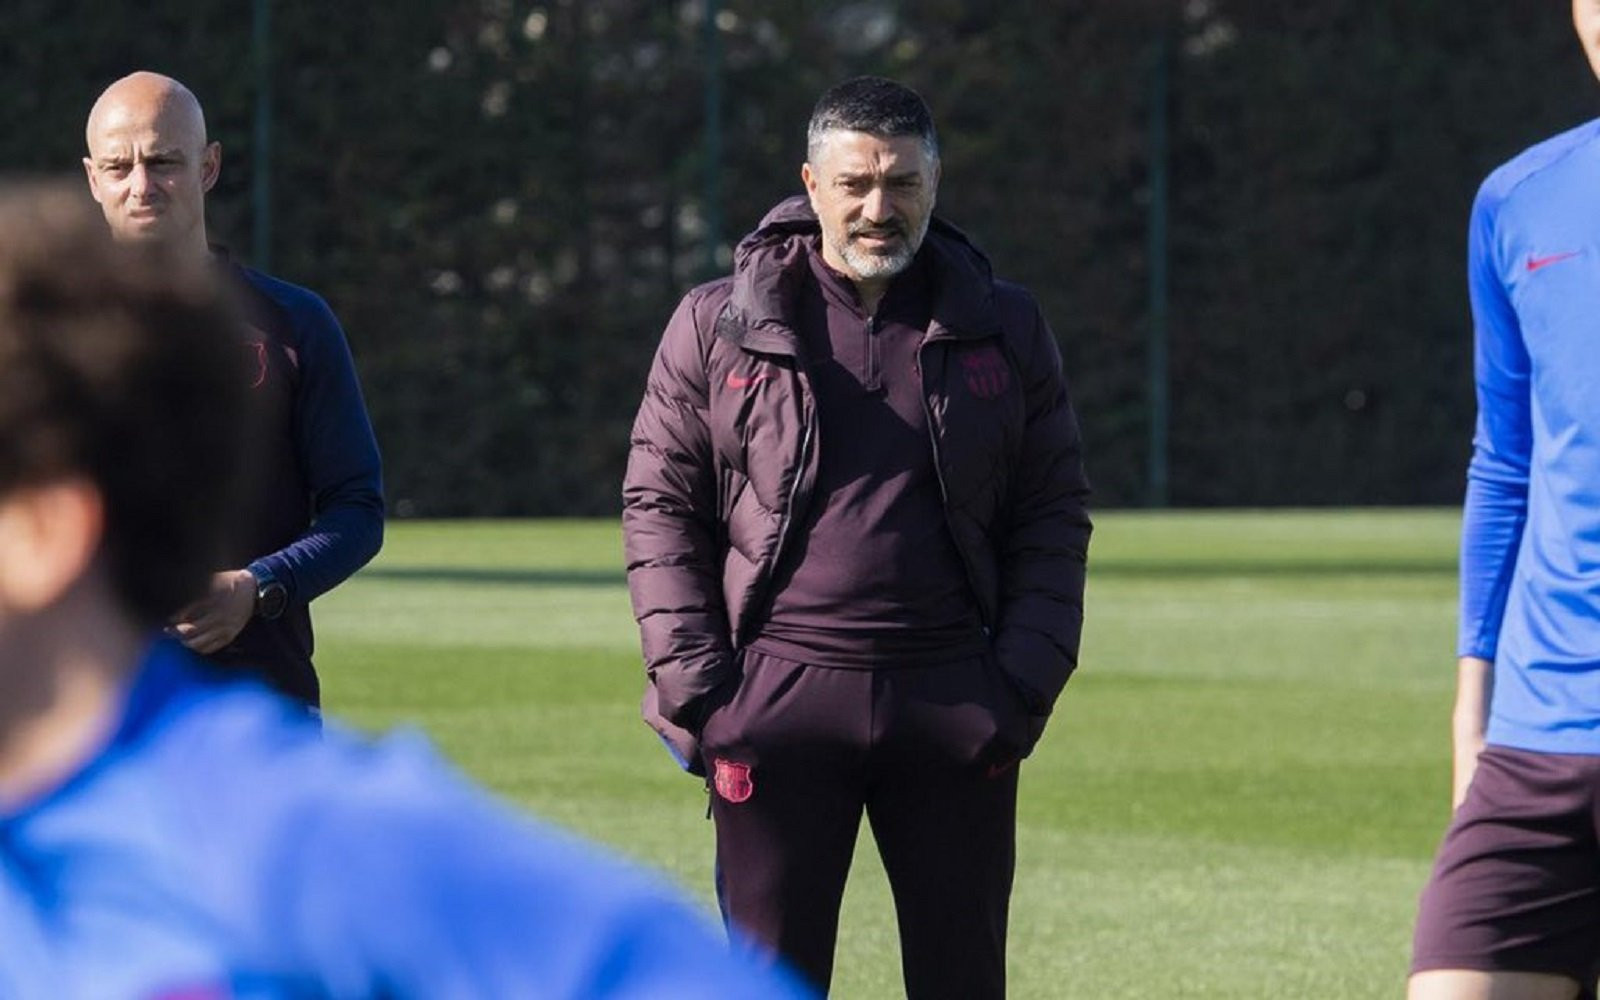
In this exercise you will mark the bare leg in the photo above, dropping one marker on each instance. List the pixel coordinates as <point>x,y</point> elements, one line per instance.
<point>1462,984</point>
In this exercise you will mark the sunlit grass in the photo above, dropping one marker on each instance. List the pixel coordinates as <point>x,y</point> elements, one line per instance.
<point>1238,797</point>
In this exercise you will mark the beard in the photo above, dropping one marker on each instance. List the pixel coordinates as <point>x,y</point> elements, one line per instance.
<point>866,264</point>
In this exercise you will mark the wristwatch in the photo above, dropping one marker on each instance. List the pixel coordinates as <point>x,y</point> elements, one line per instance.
<point>271,595</point>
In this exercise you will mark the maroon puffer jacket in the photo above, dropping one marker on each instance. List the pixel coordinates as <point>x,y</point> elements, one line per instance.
<point>724,457</point>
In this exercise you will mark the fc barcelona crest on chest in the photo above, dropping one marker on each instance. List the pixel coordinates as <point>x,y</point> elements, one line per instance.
<point>733,780</point>
<point>257,354</point>
<point>986,372</point>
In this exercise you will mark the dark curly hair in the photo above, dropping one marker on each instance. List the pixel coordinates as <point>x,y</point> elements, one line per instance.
<point>118,364</point>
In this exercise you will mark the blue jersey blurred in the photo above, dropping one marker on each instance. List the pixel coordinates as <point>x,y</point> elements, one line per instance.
<point>220,846</point>
<point>1530,550</point>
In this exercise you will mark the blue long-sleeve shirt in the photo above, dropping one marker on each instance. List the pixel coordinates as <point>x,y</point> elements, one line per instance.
<point>221,845</point>
<point>1530,545</point>
<point>316,514</point>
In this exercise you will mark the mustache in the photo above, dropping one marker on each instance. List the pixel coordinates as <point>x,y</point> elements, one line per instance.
<point>877,229</point>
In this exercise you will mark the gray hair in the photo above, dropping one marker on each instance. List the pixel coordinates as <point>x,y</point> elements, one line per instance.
<point>873,105</point>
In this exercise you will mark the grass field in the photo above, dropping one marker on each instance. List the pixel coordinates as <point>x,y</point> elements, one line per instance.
<point>1237,798</point>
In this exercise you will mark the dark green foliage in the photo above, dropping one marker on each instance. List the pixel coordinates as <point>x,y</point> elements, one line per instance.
<point>503,201</point>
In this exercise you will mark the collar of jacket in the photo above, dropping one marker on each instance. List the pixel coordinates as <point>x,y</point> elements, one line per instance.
<point>769,266</point>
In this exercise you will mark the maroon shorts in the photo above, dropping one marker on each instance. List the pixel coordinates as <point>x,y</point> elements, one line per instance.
<point>1516,886</point>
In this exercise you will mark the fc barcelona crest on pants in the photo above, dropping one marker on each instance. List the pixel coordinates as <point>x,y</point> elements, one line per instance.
<point>733,780</point>
<point>986,372</point>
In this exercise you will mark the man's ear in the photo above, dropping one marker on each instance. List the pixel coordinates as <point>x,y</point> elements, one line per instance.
<point>808,177</point>
<point>210,165</point>
<point>49,536</point>
<point>94,180</point>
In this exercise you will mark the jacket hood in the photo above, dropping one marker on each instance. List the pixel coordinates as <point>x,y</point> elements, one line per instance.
<point>770,263</point>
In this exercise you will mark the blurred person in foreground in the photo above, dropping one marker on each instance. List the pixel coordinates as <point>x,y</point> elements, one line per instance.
<point>1513,906</point>
<point>855,531</point>
<point>168,829</point>
<point>317,513</point>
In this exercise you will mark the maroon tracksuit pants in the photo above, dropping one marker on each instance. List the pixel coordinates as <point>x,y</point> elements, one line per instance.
<point>929,753</point>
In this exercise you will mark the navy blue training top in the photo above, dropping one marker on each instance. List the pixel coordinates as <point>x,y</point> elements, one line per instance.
<point>1530,544</point>
<point>317,513</point>
<point>220,844</point>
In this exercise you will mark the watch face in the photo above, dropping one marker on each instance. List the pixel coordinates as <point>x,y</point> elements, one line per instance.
<point>271,597</point>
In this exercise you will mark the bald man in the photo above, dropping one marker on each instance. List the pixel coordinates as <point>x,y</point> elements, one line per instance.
<point>318,515</point>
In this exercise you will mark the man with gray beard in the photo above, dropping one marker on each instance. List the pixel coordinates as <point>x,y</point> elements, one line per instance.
<point>855,532</point>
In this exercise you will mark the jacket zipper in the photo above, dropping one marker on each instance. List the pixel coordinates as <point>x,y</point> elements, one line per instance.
<point>787,521</point>
<point>944,490</point>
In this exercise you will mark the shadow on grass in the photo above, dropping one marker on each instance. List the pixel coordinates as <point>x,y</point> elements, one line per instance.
<point>484,574</point>
<point>1109,568</point>
<point>1270,568</point>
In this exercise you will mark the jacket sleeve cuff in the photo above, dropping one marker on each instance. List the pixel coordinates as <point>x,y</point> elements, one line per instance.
<point>1035,666</point>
